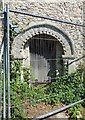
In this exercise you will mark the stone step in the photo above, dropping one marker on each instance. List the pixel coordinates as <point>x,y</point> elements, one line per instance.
<point>59,116</point>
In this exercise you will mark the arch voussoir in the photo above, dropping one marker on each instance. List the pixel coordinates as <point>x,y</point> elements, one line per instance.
<point>20,41</point>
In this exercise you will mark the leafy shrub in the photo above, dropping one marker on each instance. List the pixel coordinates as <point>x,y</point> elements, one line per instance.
<point>21,94</point>
<point>68,88</point>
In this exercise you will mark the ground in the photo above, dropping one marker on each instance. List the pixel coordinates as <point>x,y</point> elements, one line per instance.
<point>42,108</point>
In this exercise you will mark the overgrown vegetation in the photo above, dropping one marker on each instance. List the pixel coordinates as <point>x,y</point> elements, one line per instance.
<point>21,94</point>
<point>66,89</point>
<point>69,89</point>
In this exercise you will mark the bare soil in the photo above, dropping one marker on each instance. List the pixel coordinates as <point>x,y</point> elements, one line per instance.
<point>43,108</point>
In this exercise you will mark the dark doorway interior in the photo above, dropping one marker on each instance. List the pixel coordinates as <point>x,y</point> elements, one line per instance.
<point>45,57</point>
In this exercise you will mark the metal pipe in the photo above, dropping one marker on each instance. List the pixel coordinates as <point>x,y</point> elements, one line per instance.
<point>4,87</point>
<point>1,51</point>
<point>46,17</point>
<point>5,70</point>
<point>57,111</point>
<point>8,58</point>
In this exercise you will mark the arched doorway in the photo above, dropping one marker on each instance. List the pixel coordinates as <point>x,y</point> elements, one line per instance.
<point>45,57</point>
<point>44,47</point>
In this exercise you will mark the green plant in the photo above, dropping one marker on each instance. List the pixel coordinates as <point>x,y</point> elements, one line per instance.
<point>68,89</point>
<point>27,74</point>
<point>21,94</point>
<point>18,90</point>
<point>75,111</point>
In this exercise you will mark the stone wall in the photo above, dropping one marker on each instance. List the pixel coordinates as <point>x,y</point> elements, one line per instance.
<point>71,11</point>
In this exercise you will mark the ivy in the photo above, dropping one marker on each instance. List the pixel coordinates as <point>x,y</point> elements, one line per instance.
<point>68,88</point>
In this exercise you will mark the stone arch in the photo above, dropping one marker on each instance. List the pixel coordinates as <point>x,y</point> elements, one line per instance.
<point>20,52</point>
<point>42,28</point>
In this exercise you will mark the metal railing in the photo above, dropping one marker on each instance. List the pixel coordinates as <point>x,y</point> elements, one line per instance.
<point>58,111</point>
<point>1,57</point>
<point>7,61</point>
<point>46,17</point>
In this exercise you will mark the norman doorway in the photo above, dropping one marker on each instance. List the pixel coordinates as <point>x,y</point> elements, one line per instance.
<point>45,53</point>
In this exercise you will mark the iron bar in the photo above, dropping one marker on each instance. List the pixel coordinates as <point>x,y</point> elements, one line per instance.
<point>57,59</point>
<point>8,58</point>
<point>57,111</point>
<point>77,59</point>
<point>45,17</point>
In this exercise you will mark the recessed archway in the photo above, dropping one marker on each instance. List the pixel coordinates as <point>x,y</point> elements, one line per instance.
<point>30,36</point>
<point>45,56</point>
<point>21,39</point>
